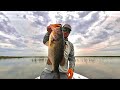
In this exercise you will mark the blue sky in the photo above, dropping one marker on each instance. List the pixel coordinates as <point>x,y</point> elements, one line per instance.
<point>94,33</point>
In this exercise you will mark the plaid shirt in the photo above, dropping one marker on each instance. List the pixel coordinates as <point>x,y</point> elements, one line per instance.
<point>68,54</point>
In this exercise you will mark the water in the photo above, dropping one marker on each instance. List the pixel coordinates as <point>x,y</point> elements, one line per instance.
<point>21,68</point>
<point>98,67</point>
<point>91,67</point>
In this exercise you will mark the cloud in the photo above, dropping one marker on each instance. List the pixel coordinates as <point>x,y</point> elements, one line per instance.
<point>98,36</point>
<point>24,16</point>
<point>38,37</point>
<point>83,14</point>
<point>40,18</point>
<point>92,31</point>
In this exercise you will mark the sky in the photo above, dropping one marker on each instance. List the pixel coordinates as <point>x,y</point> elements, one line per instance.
<point>94,33</point>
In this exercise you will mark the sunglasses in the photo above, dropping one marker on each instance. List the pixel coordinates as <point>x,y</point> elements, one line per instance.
<point>66,29</point>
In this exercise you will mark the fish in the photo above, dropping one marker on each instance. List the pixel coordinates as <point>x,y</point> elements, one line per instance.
<point>56,48</point>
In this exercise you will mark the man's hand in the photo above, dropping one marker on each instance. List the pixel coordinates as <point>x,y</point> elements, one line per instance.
<point>70,73</point>
<point>49,29</point>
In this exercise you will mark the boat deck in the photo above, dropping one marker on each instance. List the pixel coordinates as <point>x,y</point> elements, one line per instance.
<point>75,76</point>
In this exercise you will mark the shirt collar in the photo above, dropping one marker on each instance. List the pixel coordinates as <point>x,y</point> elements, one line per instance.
<point>66,39</point>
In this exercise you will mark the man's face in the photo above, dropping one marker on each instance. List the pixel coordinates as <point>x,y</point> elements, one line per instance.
<point>66,32</point>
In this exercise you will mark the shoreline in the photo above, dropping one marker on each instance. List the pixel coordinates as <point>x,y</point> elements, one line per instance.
<point>6,57</point>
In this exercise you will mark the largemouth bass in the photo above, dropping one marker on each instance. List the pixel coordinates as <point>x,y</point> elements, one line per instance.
<point>56,48</point>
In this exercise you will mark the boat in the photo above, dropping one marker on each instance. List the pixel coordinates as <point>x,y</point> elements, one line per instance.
<point>78,76</point>
<point>75,76</point>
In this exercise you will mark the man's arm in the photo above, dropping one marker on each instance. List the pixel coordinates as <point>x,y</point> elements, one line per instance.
<point>71,58</point>
<point>46,38</point>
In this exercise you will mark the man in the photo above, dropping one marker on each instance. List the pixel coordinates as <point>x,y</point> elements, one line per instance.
<point>66,70</point>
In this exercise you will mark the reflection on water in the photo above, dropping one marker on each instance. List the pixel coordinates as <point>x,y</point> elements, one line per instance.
<point>39,60</point>
<point>22,68</point>
<point>98,67</point>
<point>91,67</point>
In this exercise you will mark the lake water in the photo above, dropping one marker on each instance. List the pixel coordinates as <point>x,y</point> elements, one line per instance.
<point>91,67</point>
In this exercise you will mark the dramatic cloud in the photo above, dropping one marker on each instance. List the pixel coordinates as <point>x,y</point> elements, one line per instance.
<point>93,32</point>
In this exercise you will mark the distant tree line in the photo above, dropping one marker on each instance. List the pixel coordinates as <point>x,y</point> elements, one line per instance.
<point>5,57</point>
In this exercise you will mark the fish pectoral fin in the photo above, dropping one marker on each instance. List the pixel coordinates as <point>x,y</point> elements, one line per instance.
<point>51,43</point>
<point>49,62</point>
<point>62,63</point>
